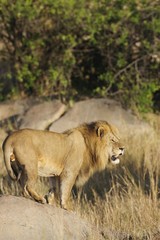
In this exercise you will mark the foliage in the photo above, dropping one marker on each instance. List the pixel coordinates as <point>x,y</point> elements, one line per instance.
<point>104,48</point>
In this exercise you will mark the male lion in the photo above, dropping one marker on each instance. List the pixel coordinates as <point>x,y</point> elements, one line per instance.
<point>73,155</point>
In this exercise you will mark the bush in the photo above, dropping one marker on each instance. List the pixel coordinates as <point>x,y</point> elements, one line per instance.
<point>104,48</point>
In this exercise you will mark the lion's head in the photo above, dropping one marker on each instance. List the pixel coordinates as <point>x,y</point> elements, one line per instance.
<point>103,142</point>
<point>109,138</point>
<point>116,148</point>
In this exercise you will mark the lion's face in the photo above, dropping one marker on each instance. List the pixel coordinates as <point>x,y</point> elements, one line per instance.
<point>116,150</point>
<point>113,148</point>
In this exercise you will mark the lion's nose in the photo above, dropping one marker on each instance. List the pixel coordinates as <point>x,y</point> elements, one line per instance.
<point>122,150</point>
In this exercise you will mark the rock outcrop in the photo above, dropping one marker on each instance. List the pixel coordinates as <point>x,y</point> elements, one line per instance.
<point>100,109</point>
<point>21,218</point>
<point>41,115</point>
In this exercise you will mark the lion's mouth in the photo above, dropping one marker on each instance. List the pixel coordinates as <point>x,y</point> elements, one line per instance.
<point>115,160</point>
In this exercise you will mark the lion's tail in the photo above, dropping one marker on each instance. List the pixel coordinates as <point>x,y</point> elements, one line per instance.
<point>7,152</point>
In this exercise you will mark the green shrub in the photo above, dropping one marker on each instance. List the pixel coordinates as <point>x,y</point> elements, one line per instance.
<point>104,48</point>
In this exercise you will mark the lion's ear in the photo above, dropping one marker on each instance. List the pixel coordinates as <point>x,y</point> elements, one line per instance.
<point>100,132</point>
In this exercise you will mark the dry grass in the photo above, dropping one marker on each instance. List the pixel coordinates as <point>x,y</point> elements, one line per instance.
<point>124,201</point>
<point>131,208</point>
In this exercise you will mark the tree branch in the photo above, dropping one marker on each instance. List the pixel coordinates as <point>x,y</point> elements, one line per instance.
<point>129,66</point>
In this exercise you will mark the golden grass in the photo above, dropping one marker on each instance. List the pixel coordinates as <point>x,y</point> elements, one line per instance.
<point>122,201</point>
<point>131,208</point>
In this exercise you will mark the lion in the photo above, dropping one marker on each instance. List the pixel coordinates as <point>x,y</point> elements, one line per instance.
<point>73,156</point>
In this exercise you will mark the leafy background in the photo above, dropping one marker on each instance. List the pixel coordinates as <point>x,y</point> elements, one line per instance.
<point>71,48</point>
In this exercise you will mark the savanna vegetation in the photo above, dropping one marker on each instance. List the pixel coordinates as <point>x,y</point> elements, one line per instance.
<point>71,48</point>
<point>123,201</point>
<point>95,48</point>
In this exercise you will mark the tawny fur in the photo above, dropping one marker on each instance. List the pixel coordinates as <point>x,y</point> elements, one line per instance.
<point>73,156</point>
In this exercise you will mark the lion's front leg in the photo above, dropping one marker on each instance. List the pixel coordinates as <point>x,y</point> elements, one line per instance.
<point>67,180</point>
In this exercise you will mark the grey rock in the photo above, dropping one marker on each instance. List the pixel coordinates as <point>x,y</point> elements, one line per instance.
<point>12,108</point>
<point>41,115</point>
<point>25,219</point>
<point>99,109</point>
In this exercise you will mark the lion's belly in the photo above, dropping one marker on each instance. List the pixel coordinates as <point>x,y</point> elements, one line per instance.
<point>48,170</point>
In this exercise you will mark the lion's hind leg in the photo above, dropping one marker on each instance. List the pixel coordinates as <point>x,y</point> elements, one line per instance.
<point>52,196</point>
<point>28,182</point>
<point>29,189</point>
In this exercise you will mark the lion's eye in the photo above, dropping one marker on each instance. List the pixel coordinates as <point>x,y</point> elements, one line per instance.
<point>114,140</point>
